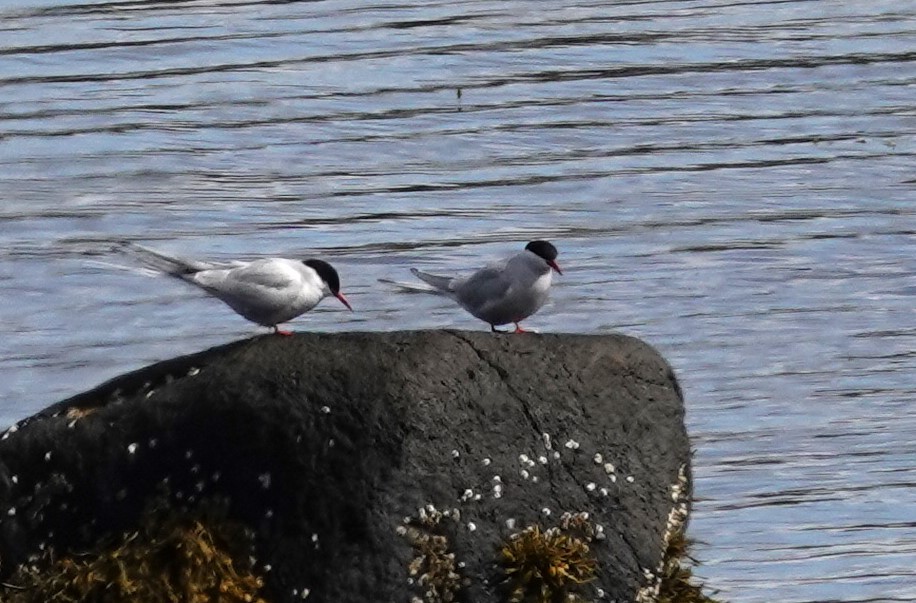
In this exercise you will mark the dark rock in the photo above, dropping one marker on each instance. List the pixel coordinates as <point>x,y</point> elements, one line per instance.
<point>325,443</point>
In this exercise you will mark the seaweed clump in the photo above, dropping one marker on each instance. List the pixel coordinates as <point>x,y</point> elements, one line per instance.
<point>549,566</point>
<point>677,582</point>
<point>172,556</point>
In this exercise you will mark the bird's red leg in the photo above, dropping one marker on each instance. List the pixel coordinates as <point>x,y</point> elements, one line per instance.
<point>519,329</point>
<point>280,331</point>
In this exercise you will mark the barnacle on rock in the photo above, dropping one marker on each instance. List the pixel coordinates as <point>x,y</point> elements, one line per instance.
<point>673,581</point>
<point>433,568</point>
<point>546,566</point>
<point>172,556</point>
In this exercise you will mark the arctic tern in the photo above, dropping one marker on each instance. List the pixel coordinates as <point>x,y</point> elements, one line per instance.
<point>505,292</point>
<point>268,291</point>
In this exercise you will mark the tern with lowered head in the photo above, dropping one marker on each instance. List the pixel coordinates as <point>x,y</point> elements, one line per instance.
<point>268,291</point>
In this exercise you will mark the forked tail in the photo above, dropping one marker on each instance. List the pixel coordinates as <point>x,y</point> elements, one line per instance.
<point>167,264</point>
<point>440,283</point>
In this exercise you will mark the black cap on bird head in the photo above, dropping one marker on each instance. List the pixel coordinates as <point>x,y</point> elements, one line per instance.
<point>545,250</point>
<point>327,273</point>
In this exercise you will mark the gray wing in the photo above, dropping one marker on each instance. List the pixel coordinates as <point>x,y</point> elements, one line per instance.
<point>255,287</point>
<point>266,274</point>
<point>484,289</point>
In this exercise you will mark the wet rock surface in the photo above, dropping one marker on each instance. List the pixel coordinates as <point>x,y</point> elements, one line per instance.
<point>360,459</point>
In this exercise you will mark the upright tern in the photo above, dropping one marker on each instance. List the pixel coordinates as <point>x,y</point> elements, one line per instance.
<point>505,292</point>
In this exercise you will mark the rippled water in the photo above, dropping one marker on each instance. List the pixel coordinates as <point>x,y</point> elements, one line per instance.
<point>731,181</point>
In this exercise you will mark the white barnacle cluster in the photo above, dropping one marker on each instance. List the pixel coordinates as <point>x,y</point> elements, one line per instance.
<point>434,568</point>
<point>674,525</point>
<point>569,519</point>
<point>429,516</point>
<point>649,592</point>
<point>680,496</point>
<point>600,460</point>
<point>609,470</point>
<point>527,466</point>
<point>582,522</point>
<point>497,486</point>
